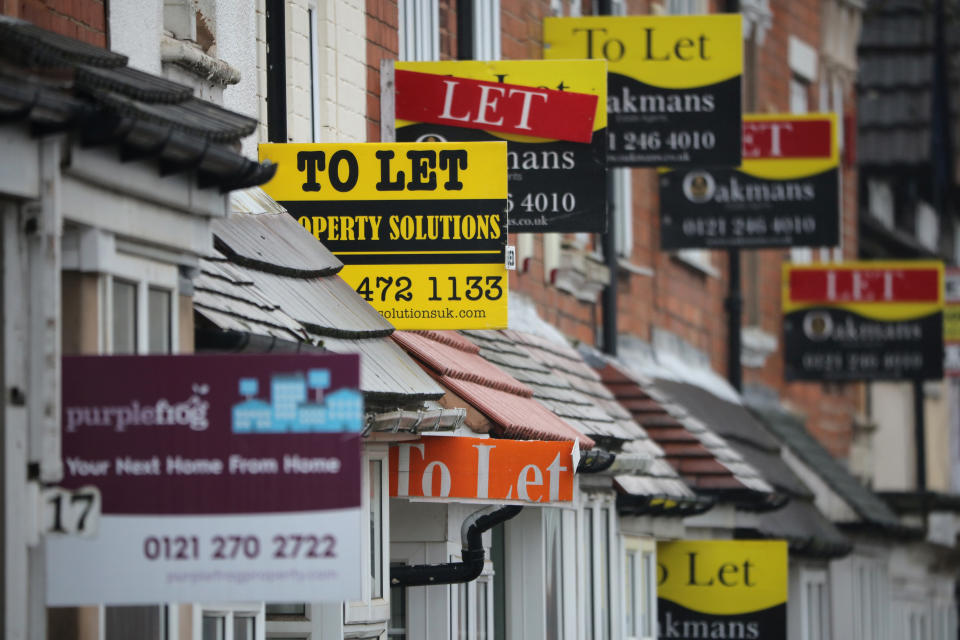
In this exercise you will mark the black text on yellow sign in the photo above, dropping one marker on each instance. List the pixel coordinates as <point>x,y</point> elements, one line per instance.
<point>722,589</point>
<point>420,227</point>
<point>673,95</point>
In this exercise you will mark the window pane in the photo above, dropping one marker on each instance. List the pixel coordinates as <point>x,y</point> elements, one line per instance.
<point>464,613</point>
<point>287,609</point>
<point>649,602</point>
<point>480,622</point>
<point>214,628</point>
<point>630,593</point>
<point>124,317</point>
<point>244,627</point>
<point>553,544</point>
<point>398,613</point>
<point>141,622</point>
<point>376,529</point>
<point>603,574</point>
<point>159,320</point>
<point>588,534</point>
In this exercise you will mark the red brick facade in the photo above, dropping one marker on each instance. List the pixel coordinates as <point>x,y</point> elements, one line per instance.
<point>84,20</point>
<point>679,298</point>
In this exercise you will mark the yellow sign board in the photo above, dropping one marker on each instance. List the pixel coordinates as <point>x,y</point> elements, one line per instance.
<point>673,94</point>
<point>420,227</point>
<point>722,589</point>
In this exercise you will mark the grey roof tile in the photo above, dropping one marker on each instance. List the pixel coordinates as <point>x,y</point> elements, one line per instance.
<point>791,430</point>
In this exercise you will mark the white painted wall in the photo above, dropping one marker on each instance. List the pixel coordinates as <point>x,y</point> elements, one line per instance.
<point>891,408</point>
<point>135,27</point>
<point>236,24</point>
<point>894,446</point>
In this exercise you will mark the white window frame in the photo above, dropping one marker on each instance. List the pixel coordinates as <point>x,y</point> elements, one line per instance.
<point>419,30</point>
<point>483,583</point>
<point>146,275</point>
<point>525,573</point>
<point>486,30</point>
<point>870,609</point>
<point>320,620</point>
<point>687,7</point>
<point>644,591</point>
<point>371,609</point>
<point>229,610</point>
<point>571,8</point>
<point>593,561</point>
<point>817,608</point>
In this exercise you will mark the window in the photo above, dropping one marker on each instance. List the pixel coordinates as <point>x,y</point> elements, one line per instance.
<point>123,317</point>
<point>419,30</point>
<point>870,594</point>
<point>486,30</point>
<point>683,7</point>
<point>228,622</point>
<point>814,605</point>
<point>139,307</point>
<point>640,589</point>
<point>376,529</point>
<point>602,570</point>
<point>398,613</point>
<point>470,614</point>
<point>553,544</point>
<point>598,569</point>
<point>142,622</point>
<point>374,607</point>
<point>588,572</point>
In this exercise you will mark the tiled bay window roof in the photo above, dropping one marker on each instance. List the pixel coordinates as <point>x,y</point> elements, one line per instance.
<point>564,382</point>
<point>270,279</point>
<point>703,459</point>
<point>506,402</point>
<point>55,84</point>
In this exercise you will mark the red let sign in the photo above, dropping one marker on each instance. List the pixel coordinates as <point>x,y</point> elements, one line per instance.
<point>788,138</point>
<point>494,106</point>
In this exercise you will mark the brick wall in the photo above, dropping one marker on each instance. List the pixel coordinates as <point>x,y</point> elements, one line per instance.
<point>84,20</point>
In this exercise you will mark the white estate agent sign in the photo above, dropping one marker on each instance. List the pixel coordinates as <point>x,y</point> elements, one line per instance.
<point>224,478</point>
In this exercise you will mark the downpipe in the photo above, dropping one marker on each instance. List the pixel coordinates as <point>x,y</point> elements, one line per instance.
<point>471,537</point>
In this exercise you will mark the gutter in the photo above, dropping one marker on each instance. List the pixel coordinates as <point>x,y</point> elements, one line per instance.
<point>471,537</point>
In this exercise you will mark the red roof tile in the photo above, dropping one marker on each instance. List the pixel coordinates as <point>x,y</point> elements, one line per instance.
<point>508,403</point>
<point>458,363</point>
<point>518,416</point>
<point>694,459</point>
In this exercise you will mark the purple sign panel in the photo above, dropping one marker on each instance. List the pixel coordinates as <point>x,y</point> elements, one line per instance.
<point>192,454</point>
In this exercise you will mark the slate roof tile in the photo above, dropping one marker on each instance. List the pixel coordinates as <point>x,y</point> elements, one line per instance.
<point>790,428</point>
<point>702,458</point>
<point>271,277</point>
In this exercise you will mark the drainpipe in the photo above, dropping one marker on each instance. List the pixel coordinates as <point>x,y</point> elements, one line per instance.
<point>471,537</point>
<point>609,299</point>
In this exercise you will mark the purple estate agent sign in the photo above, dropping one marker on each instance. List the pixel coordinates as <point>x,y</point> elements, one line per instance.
<point>223,478</point>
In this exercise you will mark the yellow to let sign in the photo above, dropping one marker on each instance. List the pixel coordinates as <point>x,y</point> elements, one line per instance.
<point>420,227</point>
<point>702,582</point>
<point>673,87</point>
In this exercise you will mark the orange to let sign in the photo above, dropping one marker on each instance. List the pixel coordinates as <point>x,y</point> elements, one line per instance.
<point>482,469</point>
